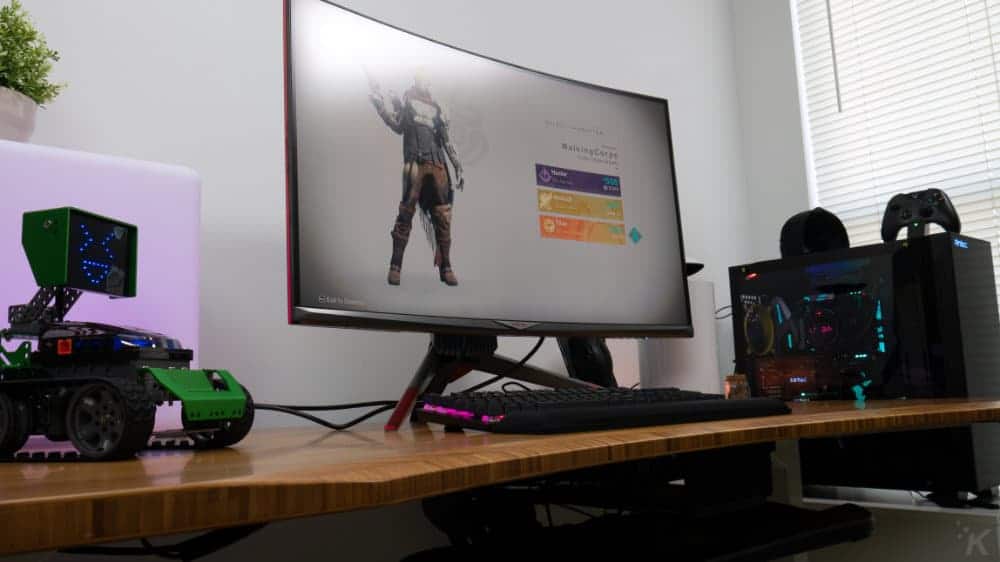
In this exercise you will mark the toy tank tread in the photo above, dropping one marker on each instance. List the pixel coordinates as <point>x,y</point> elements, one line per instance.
<point>107,410</point>
<point>225,434</point>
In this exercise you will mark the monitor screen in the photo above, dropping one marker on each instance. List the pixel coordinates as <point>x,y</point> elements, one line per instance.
<point>435,189</point>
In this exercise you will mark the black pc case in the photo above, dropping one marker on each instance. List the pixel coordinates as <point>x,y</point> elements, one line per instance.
<point>914,318</point>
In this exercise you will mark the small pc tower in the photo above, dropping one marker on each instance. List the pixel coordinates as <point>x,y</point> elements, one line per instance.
<point>910,319</point>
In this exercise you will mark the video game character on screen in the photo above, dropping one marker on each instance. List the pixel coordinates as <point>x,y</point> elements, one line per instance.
<point>426,179</point>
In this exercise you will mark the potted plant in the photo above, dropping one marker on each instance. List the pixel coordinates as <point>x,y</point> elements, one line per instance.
<point>25,63</point>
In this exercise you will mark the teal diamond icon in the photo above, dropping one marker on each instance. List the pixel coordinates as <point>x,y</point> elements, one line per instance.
<point>634,235</point>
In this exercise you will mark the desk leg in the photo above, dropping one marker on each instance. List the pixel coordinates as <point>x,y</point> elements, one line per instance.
<point>786,476</point>
<point>786,473</point>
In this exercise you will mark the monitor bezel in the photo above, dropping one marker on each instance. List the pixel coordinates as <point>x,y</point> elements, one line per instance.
<point>299,314</point>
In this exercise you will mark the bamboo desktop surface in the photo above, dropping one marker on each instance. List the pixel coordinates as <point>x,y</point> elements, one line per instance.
<point>286,473</point>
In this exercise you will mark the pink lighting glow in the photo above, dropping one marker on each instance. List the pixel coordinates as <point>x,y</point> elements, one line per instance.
<point>463,414</point>
<point>164,202</point>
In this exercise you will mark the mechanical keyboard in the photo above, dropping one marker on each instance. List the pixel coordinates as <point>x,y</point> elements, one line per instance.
<point>566,410</point>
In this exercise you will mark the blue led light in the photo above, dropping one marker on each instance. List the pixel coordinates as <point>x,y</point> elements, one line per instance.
<point>878,310</point>
<point>102,271</point>
<point>97,265</point>
<point>959,243</point>
<point>126,341</point>
<point>881,347</point>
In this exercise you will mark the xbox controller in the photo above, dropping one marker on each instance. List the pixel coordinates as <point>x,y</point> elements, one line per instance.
<point>913,210</point>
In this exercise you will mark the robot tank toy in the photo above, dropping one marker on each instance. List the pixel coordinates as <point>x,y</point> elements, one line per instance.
<point>93,384</point>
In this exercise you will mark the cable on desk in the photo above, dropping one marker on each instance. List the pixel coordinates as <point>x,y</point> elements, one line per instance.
<point>378,406</point>
<point>512,370</point>
<point>330,425</point>
<point>332,407</point>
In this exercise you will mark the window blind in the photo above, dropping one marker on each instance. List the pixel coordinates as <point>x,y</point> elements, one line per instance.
<point>903,95</point>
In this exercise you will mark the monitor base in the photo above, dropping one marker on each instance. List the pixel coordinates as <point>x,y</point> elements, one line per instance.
<point>450,357</point>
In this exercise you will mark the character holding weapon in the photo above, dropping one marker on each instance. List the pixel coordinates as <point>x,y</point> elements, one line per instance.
<point>426,179</point>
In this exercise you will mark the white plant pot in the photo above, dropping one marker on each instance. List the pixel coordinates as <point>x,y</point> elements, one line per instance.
<point>17,115</point>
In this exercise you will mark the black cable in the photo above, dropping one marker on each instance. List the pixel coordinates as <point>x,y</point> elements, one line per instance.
<point>720,309</point>
<point>484,383</point>
<point>548,513</point>
<point>512,370</point>
<point>321,421</point>
<point>379,405</point>
<point>332,407</point>
<point>513,383</point>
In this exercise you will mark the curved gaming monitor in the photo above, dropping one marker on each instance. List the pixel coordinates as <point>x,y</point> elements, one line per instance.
<point>433,189</point>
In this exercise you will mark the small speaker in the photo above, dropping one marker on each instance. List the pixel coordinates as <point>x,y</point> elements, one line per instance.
<point>813,231</point>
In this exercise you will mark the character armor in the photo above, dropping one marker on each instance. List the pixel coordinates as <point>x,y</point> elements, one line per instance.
<point>426,179</point>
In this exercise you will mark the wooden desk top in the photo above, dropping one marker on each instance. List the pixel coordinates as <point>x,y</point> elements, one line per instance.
<point>286,473</point>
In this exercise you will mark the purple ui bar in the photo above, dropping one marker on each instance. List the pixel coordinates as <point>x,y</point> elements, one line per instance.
<point>575,180</point>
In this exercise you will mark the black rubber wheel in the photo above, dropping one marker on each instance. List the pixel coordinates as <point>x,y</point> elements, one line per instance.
<point>14,425</point>
<point>230,432</point>
<point>109,421</point>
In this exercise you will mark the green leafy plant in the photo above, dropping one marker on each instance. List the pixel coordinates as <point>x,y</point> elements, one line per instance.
<point>25,57</point>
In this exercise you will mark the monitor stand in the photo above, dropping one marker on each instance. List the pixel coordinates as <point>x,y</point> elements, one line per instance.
<point>451,357</point>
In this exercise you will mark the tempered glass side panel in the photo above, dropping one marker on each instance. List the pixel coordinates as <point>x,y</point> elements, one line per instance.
<point>815,330</point>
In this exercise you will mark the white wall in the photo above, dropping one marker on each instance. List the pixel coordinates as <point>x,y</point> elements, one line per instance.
<point>771,121</point>
<point>200,83</point>
<point>770,138</point>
